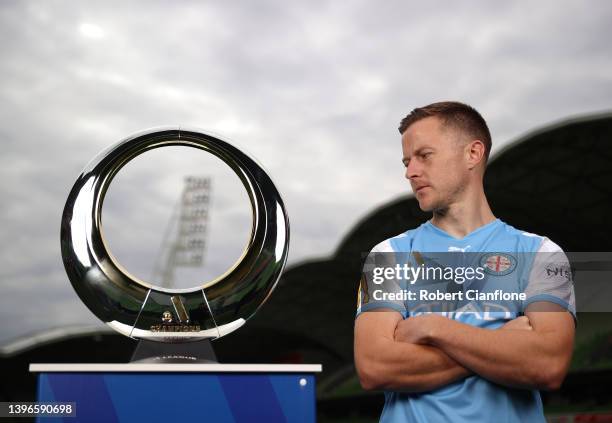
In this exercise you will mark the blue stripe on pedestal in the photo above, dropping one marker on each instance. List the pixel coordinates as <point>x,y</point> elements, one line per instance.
<point>296,400</point>
<point>45,393</point>
<point>171,398</point>
<point>252,399</point>
<point>89,392</point>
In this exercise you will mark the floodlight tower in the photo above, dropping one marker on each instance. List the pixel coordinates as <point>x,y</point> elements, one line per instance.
<point>191,222</point>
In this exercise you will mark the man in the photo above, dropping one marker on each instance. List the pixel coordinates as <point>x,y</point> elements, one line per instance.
<point>469,366</point>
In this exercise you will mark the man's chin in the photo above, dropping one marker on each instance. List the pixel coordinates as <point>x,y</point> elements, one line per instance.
<point>431,207</point>
<point>426,207</point>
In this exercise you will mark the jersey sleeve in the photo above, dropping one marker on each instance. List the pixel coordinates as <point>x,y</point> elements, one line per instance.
<point>376,292</point>
<point>550,278</point>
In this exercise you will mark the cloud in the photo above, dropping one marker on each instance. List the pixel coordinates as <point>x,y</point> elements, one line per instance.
<point>314,90</point>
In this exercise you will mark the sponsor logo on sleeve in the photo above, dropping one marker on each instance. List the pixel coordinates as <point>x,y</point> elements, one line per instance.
<point>558,270</point>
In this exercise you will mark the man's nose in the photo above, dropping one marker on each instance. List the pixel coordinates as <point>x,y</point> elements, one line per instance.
<point>413,170</point>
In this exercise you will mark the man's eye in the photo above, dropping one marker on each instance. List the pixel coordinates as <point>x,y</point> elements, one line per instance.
<point>426,155</point>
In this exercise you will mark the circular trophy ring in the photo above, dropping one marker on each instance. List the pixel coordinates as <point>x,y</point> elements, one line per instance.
<point>141,310</point>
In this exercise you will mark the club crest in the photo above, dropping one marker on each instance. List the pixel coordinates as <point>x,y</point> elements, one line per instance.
<point>498,264</point>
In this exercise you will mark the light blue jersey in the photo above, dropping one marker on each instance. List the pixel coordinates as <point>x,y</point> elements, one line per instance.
<point>509,257</point>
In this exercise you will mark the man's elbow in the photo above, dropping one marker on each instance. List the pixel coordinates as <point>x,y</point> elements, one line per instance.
<point>369,377</point>
<point>376,377</point>
<point>369,384</point>
<point>551,377</point>
<point>550,384</point>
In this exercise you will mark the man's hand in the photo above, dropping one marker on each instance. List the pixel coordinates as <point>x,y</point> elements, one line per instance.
<point>520,323</point>
<point>419,329</point>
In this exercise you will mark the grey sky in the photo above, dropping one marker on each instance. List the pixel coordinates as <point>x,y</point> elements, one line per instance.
<point>314,90</point>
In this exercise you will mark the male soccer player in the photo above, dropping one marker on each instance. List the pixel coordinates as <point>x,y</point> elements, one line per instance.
<point>471,366</point>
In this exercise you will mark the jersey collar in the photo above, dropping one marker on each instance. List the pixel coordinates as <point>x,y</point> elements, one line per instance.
<point>476,231</point>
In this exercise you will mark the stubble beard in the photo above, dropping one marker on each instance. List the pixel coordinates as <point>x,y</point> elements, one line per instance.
<point>442,206</point>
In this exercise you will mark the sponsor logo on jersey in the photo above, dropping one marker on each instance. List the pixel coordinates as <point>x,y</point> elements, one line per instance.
<point>498,264</point>
<point>554,271</point>
<point>452,248</point>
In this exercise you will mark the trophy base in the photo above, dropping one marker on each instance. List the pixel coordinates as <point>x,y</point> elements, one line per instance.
<point>187,352</point>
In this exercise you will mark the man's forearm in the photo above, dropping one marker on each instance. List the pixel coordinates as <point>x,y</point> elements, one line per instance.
<point>515,358</point>
<point>412,368</point>
<point>386,364</point>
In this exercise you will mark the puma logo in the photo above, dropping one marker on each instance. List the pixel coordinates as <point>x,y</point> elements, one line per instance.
<point>463,250</point>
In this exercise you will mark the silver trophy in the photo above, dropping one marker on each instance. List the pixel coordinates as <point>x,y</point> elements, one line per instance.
<point>137,308</point>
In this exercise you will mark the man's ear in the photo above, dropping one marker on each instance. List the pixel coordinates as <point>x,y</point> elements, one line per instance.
<point>475,153</point>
